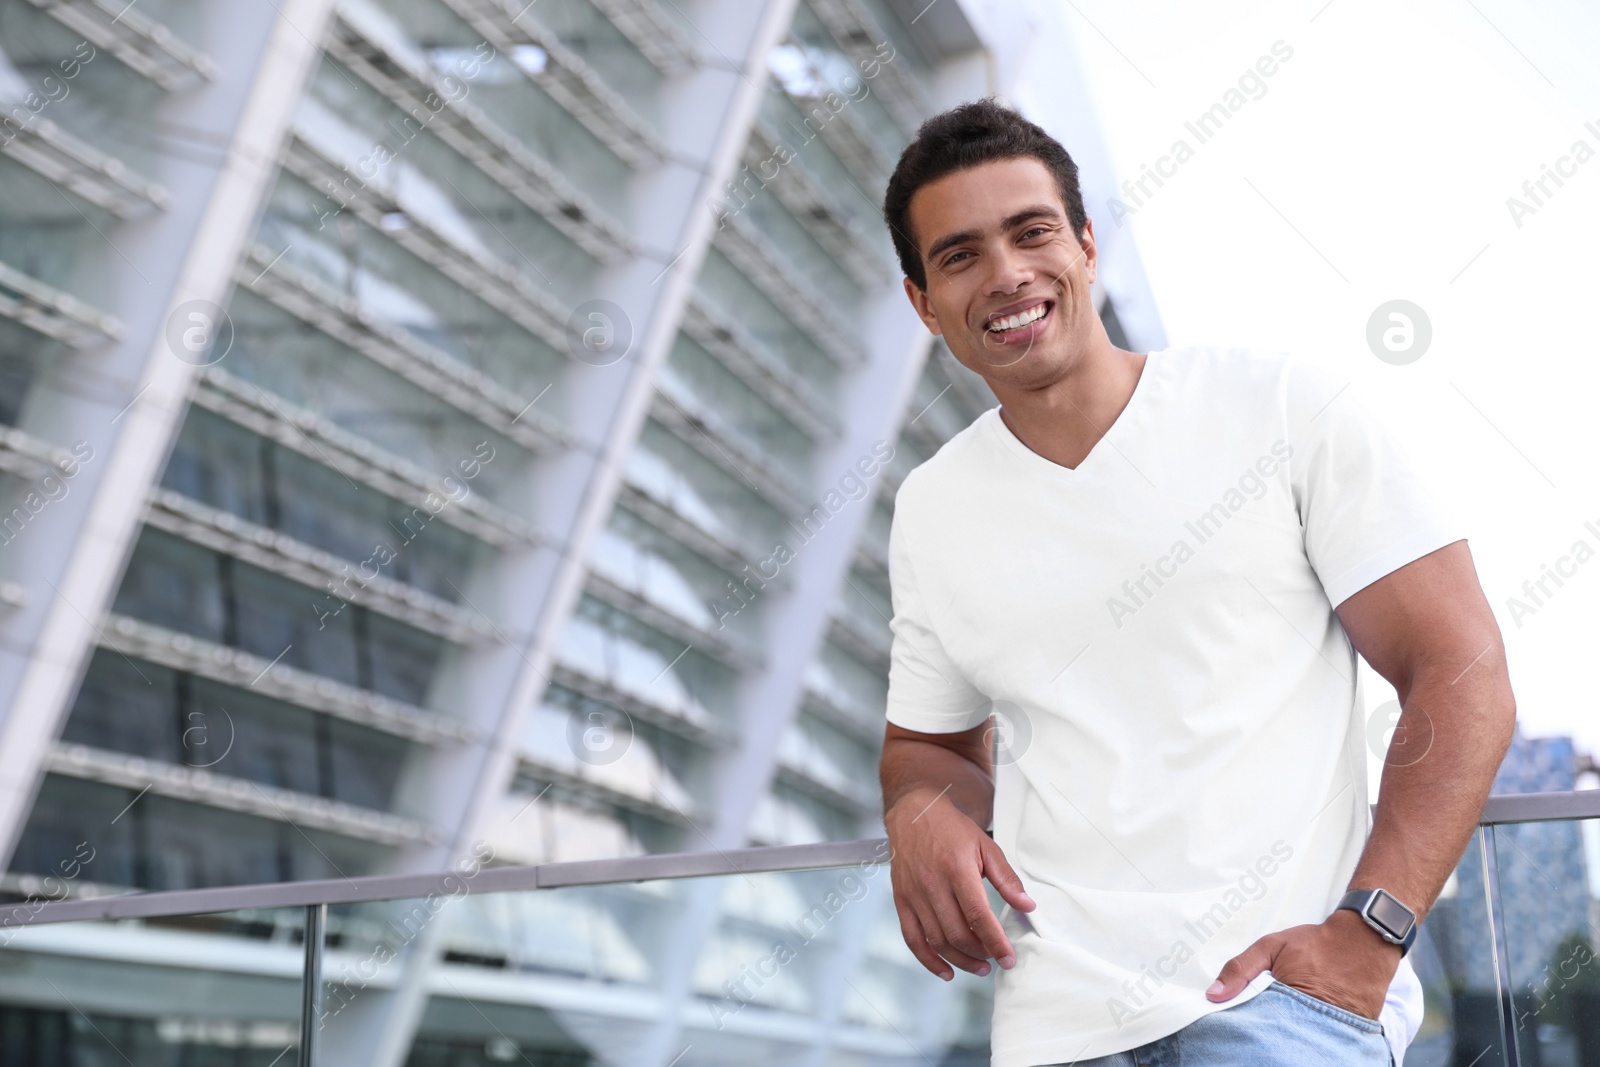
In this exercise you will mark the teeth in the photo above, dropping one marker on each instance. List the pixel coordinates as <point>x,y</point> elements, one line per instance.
<point>1012,322</point>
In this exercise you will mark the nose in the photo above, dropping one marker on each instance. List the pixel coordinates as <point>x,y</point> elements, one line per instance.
<point>1009,270</point>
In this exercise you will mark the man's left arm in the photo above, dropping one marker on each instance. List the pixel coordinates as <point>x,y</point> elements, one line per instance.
<point>1428,629</point>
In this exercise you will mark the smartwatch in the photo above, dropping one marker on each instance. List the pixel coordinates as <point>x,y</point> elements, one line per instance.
<point>1378,908</point>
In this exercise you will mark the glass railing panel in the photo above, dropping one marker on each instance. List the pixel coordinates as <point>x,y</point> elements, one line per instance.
<point>609,933</point>
<point>547,974</point>
<point>533,1033</point>
<point>809,962</point>
<point>566,975</point>
<point>825,945</point>
<point>1545,878</point>
<point>1455,958</point>
<point>196,989</point>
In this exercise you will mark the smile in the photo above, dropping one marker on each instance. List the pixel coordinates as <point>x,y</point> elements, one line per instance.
<point>1021,319</point>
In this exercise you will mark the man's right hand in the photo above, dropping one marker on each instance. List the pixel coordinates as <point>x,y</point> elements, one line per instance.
<point>938,859</point>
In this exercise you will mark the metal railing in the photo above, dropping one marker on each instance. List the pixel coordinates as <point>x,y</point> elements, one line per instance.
<point>316,896</point>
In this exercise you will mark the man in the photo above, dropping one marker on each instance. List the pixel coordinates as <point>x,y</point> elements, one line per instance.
<point>1155,571</point>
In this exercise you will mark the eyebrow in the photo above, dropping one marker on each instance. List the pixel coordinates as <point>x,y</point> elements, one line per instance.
<point>1010,221</point>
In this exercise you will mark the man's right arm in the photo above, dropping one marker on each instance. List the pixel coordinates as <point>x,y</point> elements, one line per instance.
<point>956,766</point>
<point>938,791</point>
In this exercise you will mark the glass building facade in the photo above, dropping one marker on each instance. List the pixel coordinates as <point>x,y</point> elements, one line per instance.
<point>437,431</point>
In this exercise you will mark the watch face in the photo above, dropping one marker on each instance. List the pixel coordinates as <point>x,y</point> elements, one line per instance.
<point>1392,915</point>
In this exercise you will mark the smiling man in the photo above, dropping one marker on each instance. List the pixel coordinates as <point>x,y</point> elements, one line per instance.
<point>1151,574</point>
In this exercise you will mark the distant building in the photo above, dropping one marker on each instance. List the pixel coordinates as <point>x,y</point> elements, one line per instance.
<point>1543,904</point>
<point>1543,883</point>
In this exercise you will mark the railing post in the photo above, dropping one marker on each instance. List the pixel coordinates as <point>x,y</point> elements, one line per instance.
<point>311,984</point>
<point>1499,945</point>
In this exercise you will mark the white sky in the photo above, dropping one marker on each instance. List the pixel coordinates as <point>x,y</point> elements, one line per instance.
<point>1391,141</point>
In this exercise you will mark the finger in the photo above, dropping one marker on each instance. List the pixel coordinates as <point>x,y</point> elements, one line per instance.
<point>947,930</point>
<point>1238,972</point>
<point>1003,877</point>
<point>951,935</point>
<point>937,944</point>
<point>917,942</point>
<point>981,920</point>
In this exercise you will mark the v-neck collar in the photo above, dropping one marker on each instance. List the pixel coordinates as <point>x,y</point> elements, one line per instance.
<point>1129,412</point>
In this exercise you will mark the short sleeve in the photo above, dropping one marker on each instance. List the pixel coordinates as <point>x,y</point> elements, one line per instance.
<point>927,692</point>
<point>1365,508</point>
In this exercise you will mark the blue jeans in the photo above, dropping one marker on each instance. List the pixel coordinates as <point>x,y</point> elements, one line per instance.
<point>1278,1027</point>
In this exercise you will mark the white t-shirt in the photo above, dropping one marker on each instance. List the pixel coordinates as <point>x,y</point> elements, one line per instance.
<point>1182,752</point>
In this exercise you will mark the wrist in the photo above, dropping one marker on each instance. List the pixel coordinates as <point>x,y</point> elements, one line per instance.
<point>1385,914</point>
<point>912,804</point>
<point>1354,933</point>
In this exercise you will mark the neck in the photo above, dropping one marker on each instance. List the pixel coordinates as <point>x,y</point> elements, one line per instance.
<point>1062,421</point>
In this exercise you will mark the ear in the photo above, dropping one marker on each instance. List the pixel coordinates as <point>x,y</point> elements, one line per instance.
<point>1091,255</point>
<point>924,308</point>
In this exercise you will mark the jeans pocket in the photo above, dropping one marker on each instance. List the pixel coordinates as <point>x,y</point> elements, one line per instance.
<point>1317,1004</point>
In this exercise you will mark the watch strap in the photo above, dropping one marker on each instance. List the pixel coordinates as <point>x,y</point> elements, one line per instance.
<point>1358,901</point>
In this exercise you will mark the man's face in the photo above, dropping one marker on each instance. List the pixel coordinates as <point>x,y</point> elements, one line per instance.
<point>1008,281</point>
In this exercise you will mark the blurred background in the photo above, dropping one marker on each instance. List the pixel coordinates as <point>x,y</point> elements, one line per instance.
<point>444,432</point>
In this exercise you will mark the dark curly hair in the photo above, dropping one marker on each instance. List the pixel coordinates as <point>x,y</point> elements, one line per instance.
<point>965,136</point>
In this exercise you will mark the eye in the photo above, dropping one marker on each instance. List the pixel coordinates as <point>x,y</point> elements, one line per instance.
<point>954,257</point>
<point>1035,229</point>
